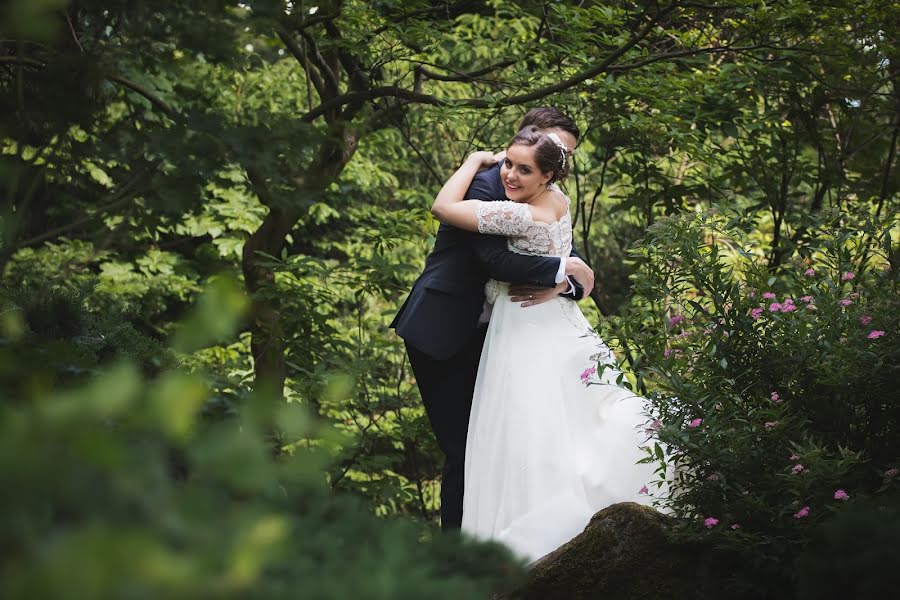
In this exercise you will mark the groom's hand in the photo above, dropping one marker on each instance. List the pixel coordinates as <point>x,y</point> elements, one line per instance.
<point>582,273</point>
<point>531,295</point>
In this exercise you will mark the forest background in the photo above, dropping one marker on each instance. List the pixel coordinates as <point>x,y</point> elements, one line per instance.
<point>212,210</point>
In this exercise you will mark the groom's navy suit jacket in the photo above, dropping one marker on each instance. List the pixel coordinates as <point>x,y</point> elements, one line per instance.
<point>441,313</point>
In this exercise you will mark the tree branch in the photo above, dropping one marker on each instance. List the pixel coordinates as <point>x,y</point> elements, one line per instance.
<point>332,85</point>
<point>405,94</point>
<point>458,76</point>
<point>21,60</point>
<point>114,200</point>
<point>153,98</point>
<point>299,53</point>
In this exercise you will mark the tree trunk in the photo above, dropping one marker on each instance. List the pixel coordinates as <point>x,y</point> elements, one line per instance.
<point>265,317</point>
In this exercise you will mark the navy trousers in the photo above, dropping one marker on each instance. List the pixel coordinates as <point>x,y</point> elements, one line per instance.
<point>446,387</point>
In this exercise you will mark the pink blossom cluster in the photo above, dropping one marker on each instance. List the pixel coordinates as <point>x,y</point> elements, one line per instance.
<point>643,490</point>
<point>875,334</point>
<point>847,276</point>
<point>803,512</point>
<point>587,374</point>
<point>770,425</point>
<point>776,398</point>
<point>787,305</point>
<point>890,473</point>
<point>810,272</point>
<point>675,320</point>
<point>712,477</point>
<point>655,425</point>
<point>710,522</point>
<point>695,423</point>
<point>841,495</point>
<point>798,469</point>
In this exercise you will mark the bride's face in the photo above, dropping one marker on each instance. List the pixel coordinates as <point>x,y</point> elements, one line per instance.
<point>522,179</point>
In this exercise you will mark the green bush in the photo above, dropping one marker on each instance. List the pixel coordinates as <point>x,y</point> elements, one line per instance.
<point>116,486</point>
<point>773,392</point>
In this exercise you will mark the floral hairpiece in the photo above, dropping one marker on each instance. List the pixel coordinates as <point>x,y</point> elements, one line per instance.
<point>563,151</point>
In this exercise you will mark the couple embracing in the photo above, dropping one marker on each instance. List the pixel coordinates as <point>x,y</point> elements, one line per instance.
<point>535,440</point>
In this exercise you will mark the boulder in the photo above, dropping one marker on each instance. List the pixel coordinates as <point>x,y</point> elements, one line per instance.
<point>623,553</point>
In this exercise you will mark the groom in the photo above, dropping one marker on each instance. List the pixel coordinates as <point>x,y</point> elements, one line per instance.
<point>439,321</point>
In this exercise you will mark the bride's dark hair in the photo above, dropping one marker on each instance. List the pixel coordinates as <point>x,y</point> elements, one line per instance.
<point>549,154</point>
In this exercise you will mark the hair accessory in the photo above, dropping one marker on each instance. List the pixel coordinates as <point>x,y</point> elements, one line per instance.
<point>562,148</point>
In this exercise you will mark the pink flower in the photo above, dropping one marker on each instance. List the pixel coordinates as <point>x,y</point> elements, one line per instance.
<point>756,313</point>
<point>788,308</point>
<point>770,425</point>
<point>774,307</point>
<point>891,473</point>
<point>695,423</point>
<point>841,495</point>
<point>847,276</point>
<point>667,352</point>
<point>875,334</point>
<point>768,295</point>
<point>807,299</point>
<point>656,425</point>
<point>751,294</point>
<point>811,307</point>
<point>865,319</point>
<point>798,469</point>
<point>735,526</point>
<point>845,302</point>
<point>801,513</point>
<point>712,477</point>
<point>710,522</point>
<point>809,272</point>
<point>676,320</point>
<point>586,374</point>
<point>794,458</point>
<point>643,490</point>
<point>776,398</point>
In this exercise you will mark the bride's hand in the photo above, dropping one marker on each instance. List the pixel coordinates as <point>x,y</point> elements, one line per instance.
<point>482,159</point>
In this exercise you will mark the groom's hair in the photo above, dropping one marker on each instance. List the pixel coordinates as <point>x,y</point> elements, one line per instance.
<point>547,117</point>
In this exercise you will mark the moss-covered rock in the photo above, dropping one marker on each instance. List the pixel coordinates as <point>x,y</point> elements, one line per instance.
<point>624,553</point>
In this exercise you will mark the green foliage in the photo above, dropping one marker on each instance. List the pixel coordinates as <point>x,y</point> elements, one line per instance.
<point>122,488</point>
<point>143,145</point>
<point>770,391</point>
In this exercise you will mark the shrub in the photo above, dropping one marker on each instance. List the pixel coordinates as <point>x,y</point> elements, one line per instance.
<point>115,486</point>
<point>774,392</point>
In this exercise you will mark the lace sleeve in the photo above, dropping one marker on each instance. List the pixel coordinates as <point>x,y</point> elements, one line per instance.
<point>504,218</point>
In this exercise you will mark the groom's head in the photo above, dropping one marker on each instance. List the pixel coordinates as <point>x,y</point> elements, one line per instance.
<point>549,119</point>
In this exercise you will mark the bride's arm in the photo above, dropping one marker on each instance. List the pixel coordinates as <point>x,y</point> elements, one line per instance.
<point>448,206</point>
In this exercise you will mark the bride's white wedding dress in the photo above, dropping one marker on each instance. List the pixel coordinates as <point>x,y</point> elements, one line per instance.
<point>544,450</point>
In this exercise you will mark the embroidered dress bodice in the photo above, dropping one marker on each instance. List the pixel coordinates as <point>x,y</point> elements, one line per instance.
<point>524,234</point>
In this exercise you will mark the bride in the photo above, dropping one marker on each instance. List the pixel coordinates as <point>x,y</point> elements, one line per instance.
<point>550,440</point>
